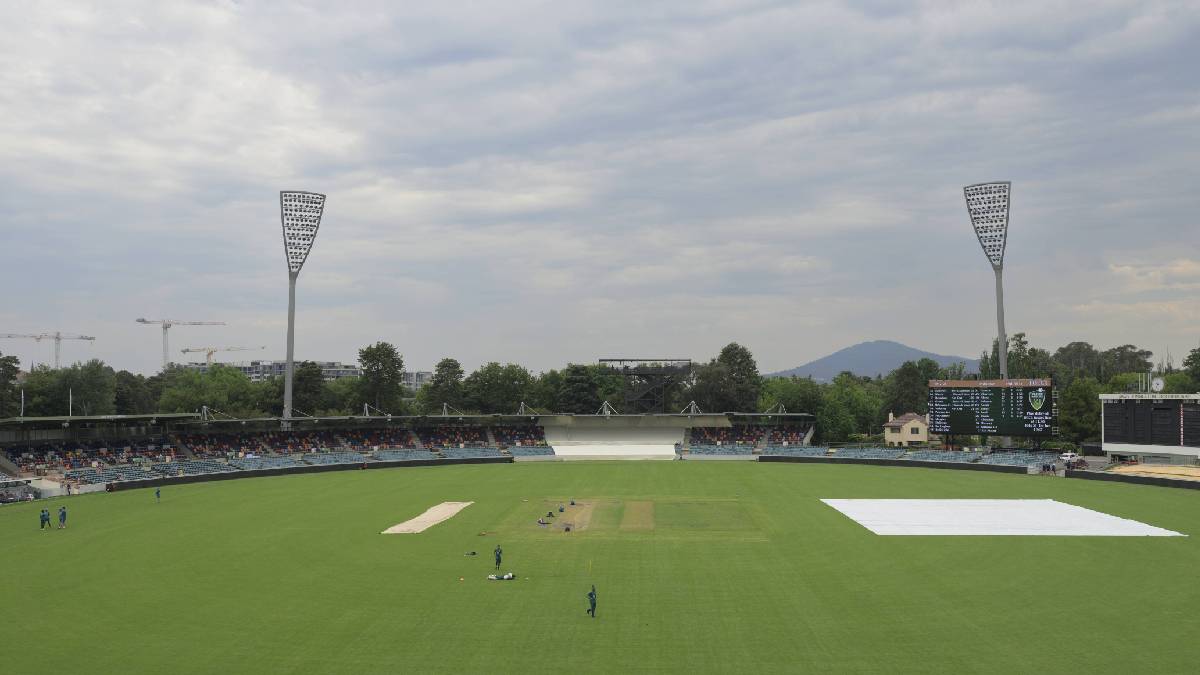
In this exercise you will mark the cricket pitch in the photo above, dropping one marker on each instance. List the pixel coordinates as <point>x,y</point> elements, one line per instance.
<point>432,516</point>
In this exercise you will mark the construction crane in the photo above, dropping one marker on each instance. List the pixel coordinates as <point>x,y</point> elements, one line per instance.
<point>166,326</point>
<point>209,351</point>
<point>56,336</point>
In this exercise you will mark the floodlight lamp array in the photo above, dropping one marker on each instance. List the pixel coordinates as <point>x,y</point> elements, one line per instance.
<point>300,213</point>
<point>987,204</point>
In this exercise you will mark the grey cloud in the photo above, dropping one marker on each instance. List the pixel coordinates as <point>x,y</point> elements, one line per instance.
<point>567,181</point>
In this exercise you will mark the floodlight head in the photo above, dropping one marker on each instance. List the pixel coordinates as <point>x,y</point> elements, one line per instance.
<point>300,213</point>
<point>987,204</point>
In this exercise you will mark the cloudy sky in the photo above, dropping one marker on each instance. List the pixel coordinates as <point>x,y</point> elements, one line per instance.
<point>545,182</point>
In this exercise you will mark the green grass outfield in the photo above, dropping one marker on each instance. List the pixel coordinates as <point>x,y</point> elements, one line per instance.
<point>700,567</point>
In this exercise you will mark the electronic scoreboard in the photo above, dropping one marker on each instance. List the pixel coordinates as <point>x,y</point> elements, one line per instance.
<point>993,407</point>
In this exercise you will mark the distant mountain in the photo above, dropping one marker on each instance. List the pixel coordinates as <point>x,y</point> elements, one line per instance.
<point>878,357</point>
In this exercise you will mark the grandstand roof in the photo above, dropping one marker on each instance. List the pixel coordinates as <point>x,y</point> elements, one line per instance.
<point>84,419</point>
<point>482,418</point>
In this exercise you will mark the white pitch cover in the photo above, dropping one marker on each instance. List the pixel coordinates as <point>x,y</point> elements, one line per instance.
<point>989,517</point>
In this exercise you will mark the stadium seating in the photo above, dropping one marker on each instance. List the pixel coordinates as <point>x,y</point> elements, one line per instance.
<point>942,456</point>
<point>191,467</point>
<point>205,446</point>
<point>369,439</point>
<point>108,475</point>
<point>869,453</point>
<point>730,449</point>
<point>795,451</point>
<point>453,436</point>
<point>87,453</point>
<point>468,453</point>
<point>788,434</point>
<point>333,458</point>
<point>402,455</point>
<point>524,435</point>
<point>287,442</point>
<point>254,463</point>
<point>531,451</point>
<point>722,436</point>
<point>1019,457</point>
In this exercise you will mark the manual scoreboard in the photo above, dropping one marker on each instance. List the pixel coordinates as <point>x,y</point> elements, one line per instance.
<point>993,407</point>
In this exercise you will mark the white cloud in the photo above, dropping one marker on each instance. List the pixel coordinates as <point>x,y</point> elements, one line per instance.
<point>545,183</point>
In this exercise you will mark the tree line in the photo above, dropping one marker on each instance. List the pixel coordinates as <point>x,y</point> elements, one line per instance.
<point>848,408</point>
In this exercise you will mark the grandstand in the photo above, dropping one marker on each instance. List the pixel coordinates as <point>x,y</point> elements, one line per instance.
<point>112,474</point>
<point>790,434</point>
<point>288,442</point>
<point>795,451</point>
<point>721,450</point>
<point>1020,457</point>
<point>531,451</point>
<point>528,435</point>
<point>942,456</point>
<point>446,436</point>
<point>208,445</point>
<point>376,439</point>
<point>346,457</point>
<point>869,453</point>
<point>402,455</point>
<point>470,452</point>
<point>115,455</point>
<point>258,463</point>
<point>191,467</point>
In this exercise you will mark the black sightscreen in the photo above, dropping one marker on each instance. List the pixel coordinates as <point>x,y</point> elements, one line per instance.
<point>1191,424</point>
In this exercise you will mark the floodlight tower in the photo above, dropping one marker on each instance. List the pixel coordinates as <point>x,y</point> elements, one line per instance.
<point>987,204</point>
<point>300,213</point>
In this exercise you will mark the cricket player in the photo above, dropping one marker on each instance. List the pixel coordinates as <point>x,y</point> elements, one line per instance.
<point>591,596</point>
<point>157,494</point>
<point>44,518</point>
<point>62,517</point>
<point>499,554</point>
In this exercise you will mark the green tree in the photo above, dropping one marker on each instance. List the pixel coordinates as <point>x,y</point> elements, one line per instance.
<point>1123,382</point>
<point>578,392</point>
<point>907,387</point>
<point>308,388</point>
<point>1078,359</point>
<point>221,387</point>
<point>543,391</point>
<point>133,395</point>
<point>1079,410</point>
<point>82,388</point>
<point>709,388</point>
<point>953,371</point>
<point>93,387</point>
<point>728,383</point>
<point>382,368</point>
<point>344,396</point>
<point>744,383</point>
<point>1180,383</point>
<point>494,388</point>
<point>835,423</point>
<point>10,394</point>
<point>1125,359</point>
<point>42,396</point>
<point>446,386</point>
<point>1191,364</point>
<point>610,384</point>
<point>861,397</point>
<point>1023,361</point>
<point>796,394</point>
<point>267,396</point>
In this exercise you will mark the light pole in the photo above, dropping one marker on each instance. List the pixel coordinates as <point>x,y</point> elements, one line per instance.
<point>300,214</point>
<point>987,204</point>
